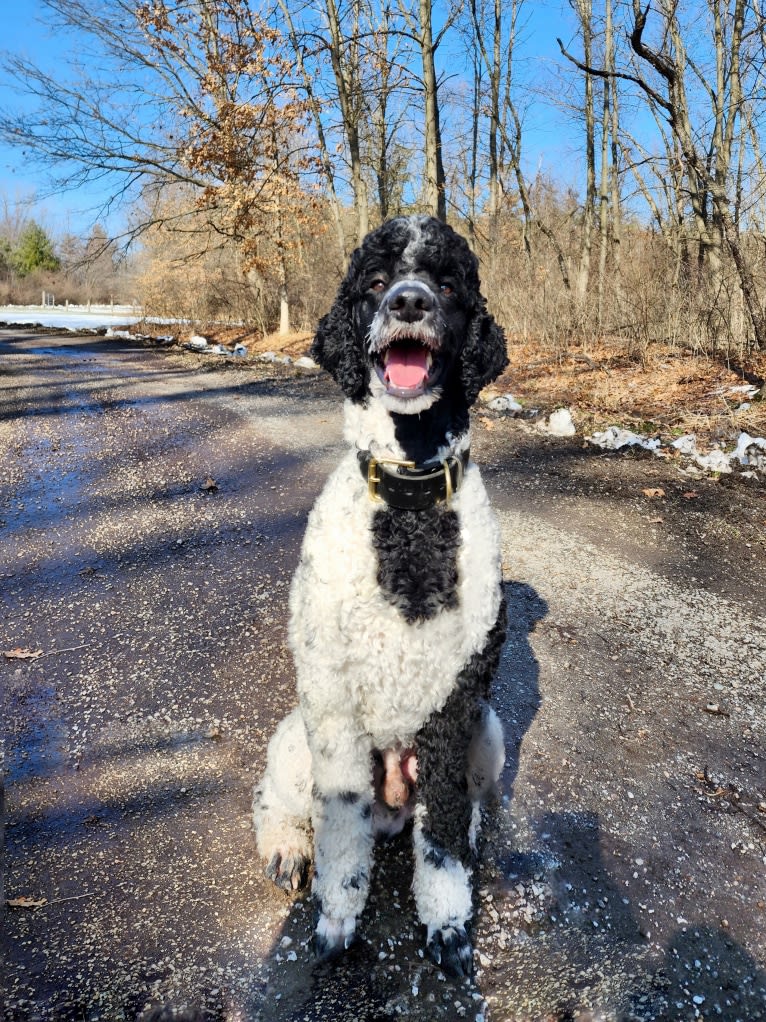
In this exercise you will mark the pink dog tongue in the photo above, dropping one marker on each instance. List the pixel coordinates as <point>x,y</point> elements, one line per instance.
<point>406,366</point>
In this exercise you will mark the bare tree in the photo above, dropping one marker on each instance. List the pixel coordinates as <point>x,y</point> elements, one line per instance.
<point>314,105</point>
<point>345,54</point>
<point>190,94</point>
<point>421,30</point>
<point>388,105</point>
<point>704,138</point>
<point>584,11</point>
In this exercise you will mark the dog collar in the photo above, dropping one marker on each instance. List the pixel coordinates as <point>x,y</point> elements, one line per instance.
<point>403,485</point>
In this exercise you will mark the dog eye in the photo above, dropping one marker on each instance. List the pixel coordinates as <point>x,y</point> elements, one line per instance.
<point>446,288</point>
<point>378,284</point>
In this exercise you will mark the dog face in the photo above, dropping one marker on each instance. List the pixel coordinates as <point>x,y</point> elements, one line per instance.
<point>409,321</point>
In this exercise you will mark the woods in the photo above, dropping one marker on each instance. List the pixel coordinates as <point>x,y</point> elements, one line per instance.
<point>254,147</point>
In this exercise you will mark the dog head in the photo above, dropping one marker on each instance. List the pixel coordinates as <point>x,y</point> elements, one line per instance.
<point>409,322</point>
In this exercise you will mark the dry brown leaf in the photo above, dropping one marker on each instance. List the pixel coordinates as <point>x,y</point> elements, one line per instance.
<point>653,491</point>
<point>690,495</point>
<point>22,654</point>
<point>210,485</point>
<point>655,521</point>
<point>24,902</point>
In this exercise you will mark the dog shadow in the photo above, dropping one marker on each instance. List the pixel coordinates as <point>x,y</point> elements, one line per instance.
<point>386,973</point>
<point>516,692</point>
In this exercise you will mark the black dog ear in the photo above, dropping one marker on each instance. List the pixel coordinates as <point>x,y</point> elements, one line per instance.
<point>484,354</point>
<point>337,349</point>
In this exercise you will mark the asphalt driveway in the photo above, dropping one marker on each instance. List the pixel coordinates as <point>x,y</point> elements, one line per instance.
<point>151,511</point>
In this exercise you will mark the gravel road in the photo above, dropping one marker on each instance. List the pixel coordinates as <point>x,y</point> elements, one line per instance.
<point>151,511</point>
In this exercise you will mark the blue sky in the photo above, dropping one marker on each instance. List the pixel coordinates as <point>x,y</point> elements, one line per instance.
<point>550,138</point>
<point>24,35</point>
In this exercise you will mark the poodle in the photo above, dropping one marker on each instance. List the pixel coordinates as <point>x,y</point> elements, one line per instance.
<point>397,618</point>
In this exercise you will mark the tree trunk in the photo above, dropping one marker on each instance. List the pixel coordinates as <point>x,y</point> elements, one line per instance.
<point>324,155</point>
<point>345,65</point>
<point>604,190</point>
<point>284,312</point>
<point>585,12</point>
<point>435,192</point>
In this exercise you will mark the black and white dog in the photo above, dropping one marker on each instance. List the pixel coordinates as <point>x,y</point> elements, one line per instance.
<point>396,612</point>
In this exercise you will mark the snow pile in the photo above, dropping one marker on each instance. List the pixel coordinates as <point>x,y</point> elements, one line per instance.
<point>506,403</point>
<point>559,423</point>
<point>686,444</point>
<point>304,362</point>
<point>614,439</point>
<point>273,356</point>
<point>749,452</point>
<point>201,344</point>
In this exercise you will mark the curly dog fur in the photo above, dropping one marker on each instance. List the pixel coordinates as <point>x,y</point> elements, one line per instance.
<point>396,614</point>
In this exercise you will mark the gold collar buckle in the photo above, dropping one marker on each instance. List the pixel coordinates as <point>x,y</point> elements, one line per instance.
<point>373,479</point>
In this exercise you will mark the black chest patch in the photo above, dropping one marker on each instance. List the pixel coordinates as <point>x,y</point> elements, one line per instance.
<point>417,559</point>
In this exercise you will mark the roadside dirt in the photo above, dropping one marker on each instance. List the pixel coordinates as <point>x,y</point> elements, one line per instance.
<point>151,512</point>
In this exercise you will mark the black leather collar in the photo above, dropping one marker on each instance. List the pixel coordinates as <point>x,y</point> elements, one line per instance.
<point>404,485</point>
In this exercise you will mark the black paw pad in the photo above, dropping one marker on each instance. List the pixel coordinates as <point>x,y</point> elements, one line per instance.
<point>290,872</point>
<point>451,949</point>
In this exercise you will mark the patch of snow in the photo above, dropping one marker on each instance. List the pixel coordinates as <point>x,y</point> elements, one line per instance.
<point>686,444</point>
<point>614,439</point>
<point>240,350</point>
<point>505,403</point>
<point>304,362</point>
<point>72,318</point>
<point>750,451</point>
<point>716,461</point>
<point>198,343</point>
<point>748,389</point>
<point>273,356</point>
<point>560,423</point>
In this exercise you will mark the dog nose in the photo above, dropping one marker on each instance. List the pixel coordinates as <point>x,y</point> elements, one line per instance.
<point>410,300</point>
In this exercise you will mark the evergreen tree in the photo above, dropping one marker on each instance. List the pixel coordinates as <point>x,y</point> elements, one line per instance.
<point>6,258</point>
<point>34,251</point>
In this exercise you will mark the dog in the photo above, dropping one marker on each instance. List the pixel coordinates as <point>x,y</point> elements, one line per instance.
<point>397,618</point>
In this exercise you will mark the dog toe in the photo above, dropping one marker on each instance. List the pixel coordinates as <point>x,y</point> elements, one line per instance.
<point>333,936</point>
<point>288,870</point>
<point>451,950</point>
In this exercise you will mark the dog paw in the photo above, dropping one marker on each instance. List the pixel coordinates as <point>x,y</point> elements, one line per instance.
<point>333,936</point>
<point>289,870</point>
<point>451,950</point>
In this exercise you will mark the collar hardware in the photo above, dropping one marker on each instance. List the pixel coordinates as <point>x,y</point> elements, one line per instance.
<point>402,484</point>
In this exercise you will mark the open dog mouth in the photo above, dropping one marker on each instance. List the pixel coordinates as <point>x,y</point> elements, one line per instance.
<point>407,367</point>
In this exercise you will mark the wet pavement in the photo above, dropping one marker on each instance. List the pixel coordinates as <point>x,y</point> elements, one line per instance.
<point>151,510</point>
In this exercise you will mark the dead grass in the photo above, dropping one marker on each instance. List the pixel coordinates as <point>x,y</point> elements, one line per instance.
<point>670,392</point>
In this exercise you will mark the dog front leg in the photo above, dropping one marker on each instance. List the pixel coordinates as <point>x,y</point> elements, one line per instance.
<point>444,856</point>
<point>343,839</point>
